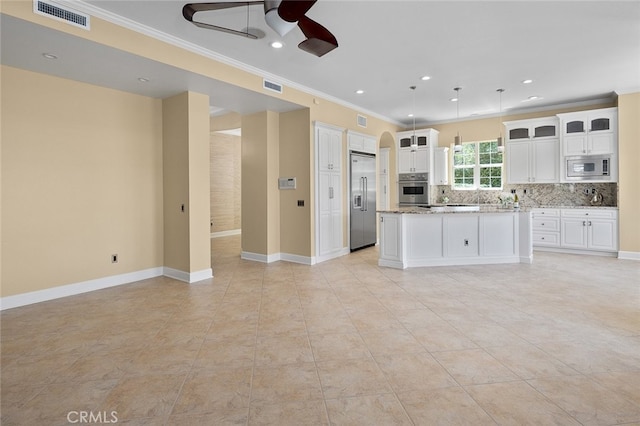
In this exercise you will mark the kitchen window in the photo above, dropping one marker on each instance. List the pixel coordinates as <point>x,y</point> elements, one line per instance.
<point>478,166</point>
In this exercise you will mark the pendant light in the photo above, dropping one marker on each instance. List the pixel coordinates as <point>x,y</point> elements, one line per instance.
<point>457,142</point>
<point>500,140</point>
<point>414,140</point>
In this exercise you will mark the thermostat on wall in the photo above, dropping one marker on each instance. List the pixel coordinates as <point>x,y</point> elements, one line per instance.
<point>287,183</point>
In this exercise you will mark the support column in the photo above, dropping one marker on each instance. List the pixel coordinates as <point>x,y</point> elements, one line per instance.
<point>185,143</point>
<point>260,194</point>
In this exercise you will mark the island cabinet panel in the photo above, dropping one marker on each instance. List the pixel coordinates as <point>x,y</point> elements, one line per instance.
<point>417,238</point>
<point>461,235</point>
<point>425,239</point>
<point>500,235</point>
<point>391,240</point>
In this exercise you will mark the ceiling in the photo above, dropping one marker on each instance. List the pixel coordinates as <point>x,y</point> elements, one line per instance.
<point>574,51</point>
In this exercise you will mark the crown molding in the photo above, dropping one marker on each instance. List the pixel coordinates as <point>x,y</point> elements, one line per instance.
<point>105,15</point>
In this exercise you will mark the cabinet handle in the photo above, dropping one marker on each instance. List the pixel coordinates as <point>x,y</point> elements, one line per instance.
<point>584,223</point>
<point>542,238</point>
<point>542,224</point>
<point>589,223</point>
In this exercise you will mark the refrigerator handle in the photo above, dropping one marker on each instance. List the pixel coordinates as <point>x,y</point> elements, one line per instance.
<point>366,195</point>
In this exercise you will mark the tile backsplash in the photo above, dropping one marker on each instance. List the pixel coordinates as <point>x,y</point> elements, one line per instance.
<point>533,195</point>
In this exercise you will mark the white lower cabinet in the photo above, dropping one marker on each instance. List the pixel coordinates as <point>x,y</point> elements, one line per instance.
<point>589,229</point>
<point>546,227</point>
<point>593,230</point>
<point>330,212</point>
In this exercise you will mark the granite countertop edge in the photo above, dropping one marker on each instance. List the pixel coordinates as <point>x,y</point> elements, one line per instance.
<point>485,209</point>
<point>419,210</point>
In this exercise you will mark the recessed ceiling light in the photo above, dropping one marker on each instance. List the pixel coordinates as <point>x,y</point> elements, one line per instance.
<point>532,98</point>
<point>527,81</point>
<point>49,56</point>
<point>454,99</point>
<point>143,79</point>
<point>359,92</point>
<point>277,45</point>
<point>425,78</point>
<point>409,115</point>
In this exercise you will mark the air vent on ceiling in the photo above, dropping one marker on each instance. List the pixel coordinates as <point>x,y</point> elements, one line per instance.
<point>270,85</point>
<point>362,121</point>
<point>52,10</point>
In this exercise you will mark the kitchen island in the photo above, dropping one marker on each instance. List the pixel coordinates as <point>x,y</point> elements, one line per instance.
<point>415,236</point>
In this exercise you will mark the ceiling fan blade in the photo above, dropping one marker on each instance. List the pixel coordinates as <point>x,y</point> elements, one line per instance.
<point>294,10</point>
<point>319,40</point>
<point>190,9</point>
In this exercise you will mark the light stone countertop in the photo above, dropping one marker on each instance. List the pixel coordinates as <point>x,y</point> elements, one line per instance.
<point>484,208</point>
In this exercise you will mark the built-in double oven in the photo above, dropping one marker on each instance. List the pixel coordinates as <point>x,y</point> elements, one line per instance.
<point>413,189</point>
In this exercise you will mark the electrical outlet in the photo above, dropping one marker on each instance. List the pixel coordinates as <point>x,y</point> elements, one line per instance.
<point>513,191</point>
<point>114,258</point>
<point>300,203</point>
<point>182,208</point>
<point>524,191</point>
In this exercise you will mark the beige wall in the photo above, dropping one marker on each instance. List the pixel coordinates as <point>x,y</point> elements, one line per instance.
<point>260,197</point>
<point>185,142</point>
<point>229,121</point>
<point>629,179</point>
<point>225,178</point>
<point>81,180</point>
<point>296,148</point>
<point>175,140</point>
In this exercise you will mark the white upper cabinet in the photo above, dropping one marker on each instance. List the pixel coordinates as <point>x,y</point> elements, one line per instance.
<point>330,156</point>
<point>361,143</point>
<point>415,150</point>
<point>533,151</point>
<point>440,166</point>
<point>591,132</point>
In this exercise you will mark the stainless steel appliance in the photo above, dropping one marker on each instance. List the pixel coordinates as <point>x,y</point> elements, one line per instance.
<point>588,167</point>
<point>413,189</point>
<point>363,200</point>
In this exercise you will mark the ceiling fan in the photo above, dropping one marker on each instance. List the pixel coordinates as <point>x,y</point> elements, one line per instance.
<point>281,15</point>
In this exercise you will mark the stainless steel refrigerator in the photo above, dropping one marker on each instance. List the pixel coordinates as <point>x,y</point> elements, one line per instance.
<point>363,200</point>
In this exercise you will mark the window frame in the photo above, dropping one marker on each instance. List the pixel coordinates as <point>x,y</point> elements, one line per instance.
<point>477,167</point>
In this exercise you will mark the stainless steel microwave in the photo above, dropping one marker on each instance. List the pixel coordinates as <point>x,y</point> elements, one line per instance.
<point>588,167</point>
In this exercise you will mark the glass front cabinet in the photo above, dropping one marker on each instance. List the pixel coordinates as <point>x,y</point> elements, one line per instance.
<point>589,132</point>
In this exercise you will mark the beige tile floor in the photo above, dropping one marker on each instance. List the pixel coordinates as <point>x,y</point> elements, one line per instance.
<point>343,342</point>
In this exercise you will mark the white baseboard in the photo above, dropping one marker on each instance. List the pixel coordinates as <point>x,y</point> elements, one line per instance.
<point>287,257</point>
<point>226,233</point>
<point>629,255</point>
<point>38,296</point>
<point>337,253</point>
<point>29,298</point>
<point>188,277</point>
<point>295,258</point>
